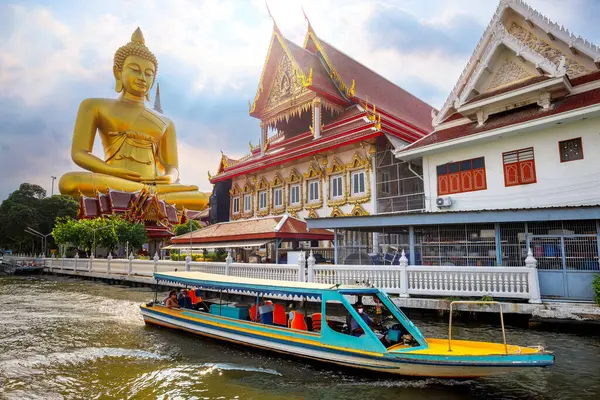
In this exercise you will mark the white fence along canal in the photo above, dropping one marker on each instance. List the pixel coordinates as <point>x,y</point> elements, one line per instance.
<point>402,280</point>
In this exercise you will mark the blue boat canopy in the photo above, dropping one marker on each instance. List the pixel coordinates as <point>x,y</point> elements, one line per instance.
<point>258,286</point>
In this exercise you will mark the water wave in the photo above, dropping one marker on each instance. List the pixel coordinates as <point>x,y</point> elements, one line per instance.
<point>35,365</point>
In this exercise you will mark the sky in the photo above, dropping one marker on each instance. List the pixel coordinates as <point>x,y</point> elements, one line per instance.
<point>54,54</point>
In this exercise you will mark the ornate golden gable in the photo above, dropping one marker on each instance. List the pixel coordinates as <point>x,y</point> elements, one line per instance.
<point>235,190</point>
<point>314,171</point>
<point>263,184</point>
<point>337,212</point>
<point>358,211</point>
<point>337,167</point>
<point>358,162</point>
<point>294,177</point>
<point>277,180</point>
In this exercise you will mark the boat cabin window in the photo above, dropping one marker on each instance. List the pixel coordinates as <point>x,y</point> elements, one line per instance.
<point>375,314</point>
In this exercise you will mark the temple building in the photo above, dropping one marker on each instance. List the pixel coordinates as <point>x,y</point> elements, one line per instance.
<point>508,165</point>
<point>327,121</point>
<point>144,207</point>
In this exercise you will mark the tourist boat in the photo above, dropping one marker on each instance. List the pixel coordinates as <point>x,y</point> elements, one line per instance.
<point>394,346</point>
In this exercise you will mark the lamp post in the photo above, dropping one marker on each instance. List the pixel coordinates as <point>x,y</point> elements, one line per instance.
<point>52,189</point>
<point>33,232</point>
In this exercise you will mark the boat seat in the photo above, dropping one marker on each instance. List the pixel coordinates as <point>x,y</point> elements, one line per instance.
<point>316,322</point>
<point>254,314</point>
<point>279,316</point>
<point>297,321</point>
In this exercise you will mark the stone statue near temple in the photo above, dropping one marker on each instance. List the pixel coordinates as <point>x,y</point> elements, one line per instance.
<point>140,145</point>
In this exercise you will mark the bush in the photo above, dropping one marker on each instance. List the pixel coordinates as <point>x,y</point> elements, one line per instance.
<point>596,288</point>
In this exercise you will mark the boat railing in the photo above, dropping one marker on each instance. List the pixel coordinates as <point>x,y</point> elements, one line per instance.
<point>476,302</point>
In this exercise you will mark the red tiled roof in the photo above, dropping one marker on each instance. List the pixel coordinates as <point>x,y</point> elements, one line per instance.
<point>587,78</point>
<point>508,118</point>
<point>454,117</point>
<point>104,203</point>
<point>120,200</point>
<point>380,91</point>
<point>172,214</point>
<point>260,228</point>
<point>508,88</point>
<point>88,207</point>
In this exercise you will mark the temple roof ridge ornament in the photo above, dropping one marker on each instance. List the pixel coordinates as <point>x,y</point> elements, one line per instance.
<point>533,17</point>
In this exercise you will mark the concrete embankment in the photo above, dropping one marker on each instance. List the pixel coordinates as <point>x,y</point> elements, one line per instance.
<point>545,313</point>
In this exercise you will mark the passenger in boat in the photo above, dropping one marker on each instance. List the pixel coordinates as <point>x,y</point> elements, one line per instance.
<point>172,300</point>
<point>355,329</point>
<point>184,299</point>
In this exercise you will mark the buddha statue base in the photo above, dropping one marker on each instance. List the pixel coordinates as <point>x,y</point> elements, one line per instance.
<point>89,184</point>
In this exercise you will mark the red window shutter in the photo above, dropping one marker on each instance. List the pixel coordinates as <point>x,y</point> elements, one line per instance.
<point>527,171</point>
<point>454,182</point>
<point>479,179</point>
<point>443,185</point>
<point>466,181</point>
<point>511,174</point>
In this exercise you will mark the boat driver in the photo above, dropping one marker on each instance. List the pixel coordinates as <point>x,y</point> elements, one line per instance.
<point>355,328</point>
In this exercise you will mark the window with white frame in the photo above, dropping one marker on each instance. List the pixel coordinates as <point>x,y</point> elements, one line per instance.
<point>385,182</point>
<point>247,203</point>
<point>295,194</point>
<point>336,187</point>
<point>236,205</point>
<point>358,183</point>
<point>262,200</point>
<point>277,197</point>
<point>313,190</point>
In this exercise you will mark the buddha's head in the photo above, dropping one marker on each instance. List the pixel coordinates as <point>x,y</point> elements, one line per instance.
<point>135,67</point>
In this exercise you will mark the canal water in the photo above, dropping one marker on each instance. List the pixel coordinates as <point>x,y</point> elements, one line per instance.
<point>69,339</point>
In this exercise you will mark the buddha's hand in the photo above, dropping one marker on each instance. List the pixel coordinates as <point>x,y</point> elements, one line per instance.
<point>159,180</point>
<point>125,174</point>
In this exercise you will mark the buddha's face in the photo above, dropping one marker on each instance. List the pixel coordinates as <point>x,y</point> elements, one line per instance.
<point>137,75</point>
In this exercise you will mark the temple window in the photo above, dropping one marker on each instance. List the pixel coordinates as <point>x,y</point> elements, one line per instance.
<point>571,150</point>
<point>358,183</point>
<point>336,187</point>
<point>295,194</point>
<point>313,190</point>
<point>519,167</point>
<point>236,205</point>
<point>247,203</point>
<point>277,197</point>
<point>462,176</point>
<point>262,200</point>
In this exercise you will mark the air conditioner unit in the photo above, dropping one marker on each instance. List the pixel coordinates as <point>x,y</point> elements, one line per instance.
<point>443,202</point>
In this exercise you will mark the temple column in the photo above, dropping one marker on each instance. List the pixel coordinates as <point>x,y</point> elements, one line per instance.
<point>263,137</point>
<point>316,107</point>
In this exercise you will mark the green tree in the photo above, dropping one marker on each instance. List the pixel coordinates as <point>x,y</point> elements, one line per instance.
<point>105,232</point>
<point>28,207</point>
<point>182,229</point>
<point>131,234</point>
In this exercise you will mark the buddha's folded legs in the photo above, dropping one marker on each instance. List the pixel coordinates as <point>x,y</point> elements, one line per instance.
<point>89,184</point>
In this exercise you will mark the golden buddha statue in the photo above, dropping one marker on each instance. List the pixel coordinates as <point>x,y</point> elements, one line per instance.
<point>140,145</point>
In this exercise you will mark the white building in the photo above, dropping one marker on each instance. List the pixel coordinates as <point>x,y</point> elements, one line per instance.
<point>510,163</point>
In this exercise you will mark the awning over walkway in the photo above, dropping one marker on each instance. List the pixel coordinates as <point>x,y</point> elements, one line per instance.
<point>218,245</point>
<point>378,222</point>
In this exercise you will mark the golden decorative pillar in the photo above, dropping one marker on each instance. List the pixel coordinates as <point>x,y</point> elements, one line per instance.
<point>263,136</point>
<point>140,144</point>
